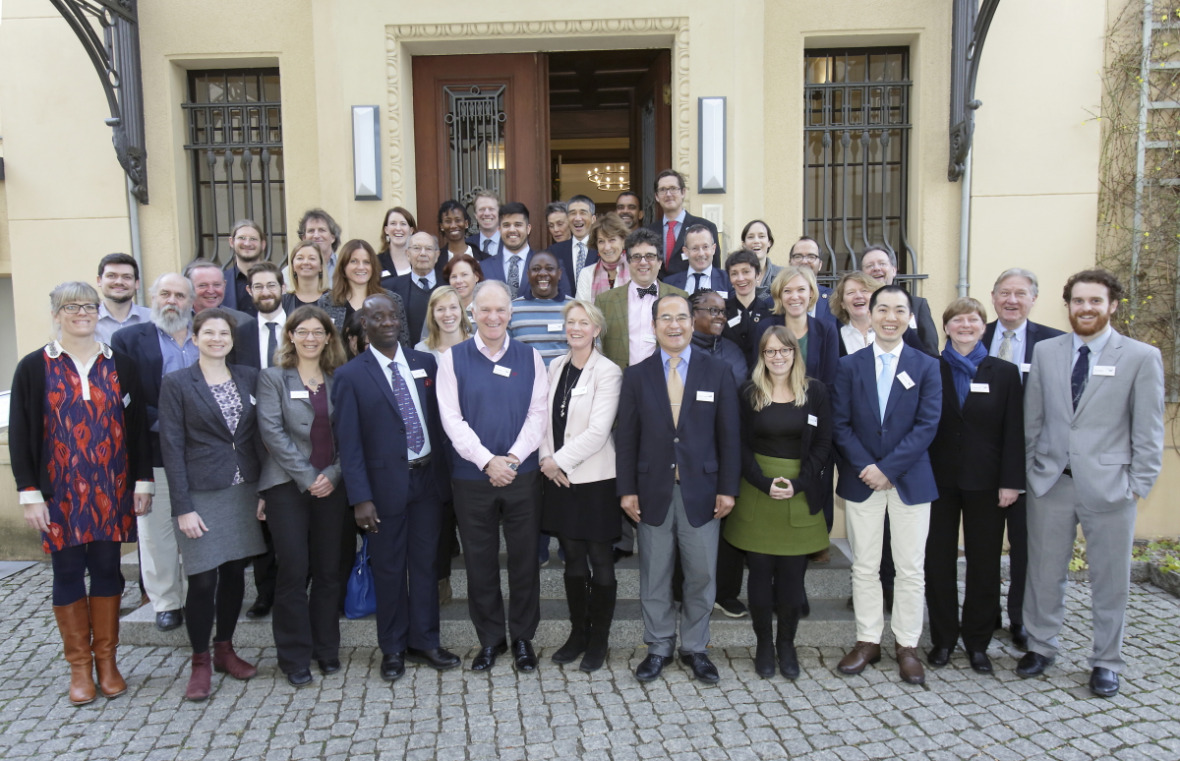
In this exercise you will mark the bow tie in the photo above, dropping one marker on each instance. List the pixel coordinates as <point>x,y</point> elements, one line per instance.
<point>652,290</point>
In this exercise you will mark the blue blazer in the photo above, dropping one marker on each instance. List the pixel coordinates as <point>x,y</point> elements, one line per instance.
<point>823,346</point>
<point>1033,334</point>
<point>718,281</point>
<point>142,344</point>
<point>823,309</point>
<point>371,436</point>
<point>564,251</point>
<point>706,443</point>
<point>898,445</point>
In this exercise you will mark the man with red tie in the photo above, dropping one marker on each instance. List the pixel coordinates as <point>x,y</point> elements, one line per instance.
<point>675,222</point>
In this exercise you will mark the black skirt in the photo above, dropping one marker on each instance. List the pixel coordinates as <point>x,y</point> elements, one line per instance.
<point>582,512</point>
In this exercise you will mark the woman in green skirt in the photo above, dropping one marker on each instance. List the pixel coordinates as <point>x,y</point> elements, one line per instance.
<point>786,440</point>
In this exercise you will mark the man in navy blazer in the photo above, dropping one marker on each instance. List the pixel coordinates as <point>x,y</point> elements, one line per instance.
<point>581,220</point>
<point>701,250</point>
<point>886,403</point>
<point>393,459</point>
<point>805,253</point>
<point>675,222</point>
<point>1013,297</point>
<point>414,287</point>
<point>678,467</point>
<point>881,265</point>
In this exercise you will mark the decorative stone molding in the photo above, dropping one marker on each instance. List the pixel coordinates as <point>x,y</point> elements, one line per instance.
<point>397,71</point>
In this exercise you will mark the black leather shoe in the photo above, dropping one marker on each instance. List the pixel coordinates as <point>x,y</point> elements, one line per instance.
<point>1032,664</point>
<point>329,665</point>
<point>939,657</point>
<point>393,667</point>
<point>168,620</point>
<point>1104,683</point>
<point>523,656</point>
<point>260,608</point>
<point>1019,636</point>
<point>300,678</point>
<point>651,667</point>
<point>486,658</point>
<point>437,658</point>
<point>979,661</point>
<point>702,668</point>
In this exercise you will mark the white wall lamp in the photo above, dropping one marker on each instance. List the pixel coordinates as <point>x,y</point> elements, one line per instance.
<point>366,153</point>
<point>711,149</point>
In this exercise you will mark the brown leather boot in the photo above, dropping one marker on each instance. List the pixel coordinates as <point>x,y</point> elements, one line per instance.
<point>104,621</point>
<point>198,681</point>
<point>226,661</point>
<point>73,621</point>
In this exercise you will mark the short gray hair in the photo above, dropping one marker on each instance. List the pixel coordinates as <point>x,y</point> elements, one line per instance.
<point>1018,272</point>
<point>156,284</point>
<point>71,292</point>
<point>483,285</point>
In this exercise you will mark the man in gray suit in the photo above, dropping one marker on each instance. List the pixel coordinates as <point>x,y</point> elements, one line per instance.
<point>1094,441</point>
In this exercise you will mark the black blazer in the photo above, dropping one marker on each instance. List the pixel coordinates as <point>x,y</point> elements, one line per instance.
<point>141,344</point>
<point>823,346</point>
<point>706,443</point>
<point>817,445</point>
<point>677,263</point>
<point>200,453</point>
<point>236,296</point>
<point>1033,334</point>
<point>245,350</point>
<point>415,300</point>
<point>980,445</point>
<point>564,251</point>
<point>927,333</point>
<point>474,242</point>
<point>26,424</point>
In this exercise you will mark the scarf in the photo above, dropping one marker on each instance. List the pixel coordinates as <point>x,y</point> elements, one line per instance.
<point>601,282</point>
<point>963,367</point>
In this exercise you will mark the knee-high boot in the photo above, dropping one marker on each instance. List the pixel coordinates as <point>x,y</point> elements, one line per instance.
<point>788,625</point>
<point>762,616</point>
<point>73,622</point>
<point>602,613</point>
<point>104,620</point>
<point>575,595</point>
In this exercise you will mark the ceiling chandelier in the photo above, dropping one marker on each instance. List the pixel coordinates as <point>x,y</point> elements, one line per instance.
<point>614,178</point>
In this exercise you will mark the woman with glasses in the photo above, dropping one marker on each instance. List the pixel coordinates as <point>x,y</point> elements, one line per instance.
<point>786,444</point>
<point>756,237</point>
<point>708,322</point>
<point>306,508</point>
<point>78,444</point>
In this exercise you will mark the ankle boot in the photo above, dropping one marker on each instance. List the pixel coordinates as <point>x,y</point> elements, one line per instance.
<point>226,661</point>
<point>602,613</point>
<point>104,620</point>
<point>198,681</point>
<point>788,625</point>
<point>73,622</point>
<point>762,616</point>
<point>576,594</point>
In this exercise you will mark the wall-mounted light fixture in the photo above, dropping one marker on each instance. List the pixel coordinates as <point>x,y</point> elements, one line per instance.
<point>366,153</point>
<point>711,150</point>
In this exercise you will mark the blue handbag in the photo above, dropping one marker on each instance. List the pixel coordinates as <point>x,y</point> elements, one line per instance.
<point>361,598</point>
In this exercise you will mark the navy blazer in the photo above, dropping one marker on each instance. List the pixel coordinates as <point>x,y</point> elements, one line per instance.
<point>718,281</point>
<point>414,299</point>
<point>1034,333</point>
<point>706,442</point>
<point>823,346</point>
<point>898,445</point>
<point>677,262</point>
<point>142,344</point>
<point>234,299</point>
<point>474,242</point>
<point>371,435</point>
<point>823,310</point>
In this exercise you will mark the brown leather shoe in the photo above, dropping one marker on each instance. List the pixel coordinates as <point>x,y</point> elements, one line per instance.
<point>909,666</point>
<point>73,621</point>
<point>861,655</point>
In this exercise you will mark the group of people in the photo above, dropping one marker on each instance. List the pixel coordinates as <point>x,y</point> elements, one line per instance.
<point>623,390</point>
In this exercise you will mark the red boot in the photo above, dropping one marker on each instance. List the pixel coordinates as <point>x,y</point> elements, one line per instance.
<point>226,661</point>
<point>198,682</point>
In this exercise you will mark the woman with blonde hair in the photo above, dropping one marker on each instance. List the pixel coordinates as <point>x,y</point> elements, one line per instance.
<point>446,322</point>
<point>306,268</point>
<point>777,520</point>
<point>795,292</point>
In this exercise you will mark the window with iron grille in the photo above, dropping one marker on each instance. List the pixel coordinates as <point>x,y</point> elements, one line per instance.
<point>856,146</point>
<point>235,141</point>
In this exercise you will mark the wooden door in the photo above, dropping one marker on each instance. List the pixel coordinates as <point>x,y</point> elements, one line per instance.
<point>651,145</point>
<point>481,122</point>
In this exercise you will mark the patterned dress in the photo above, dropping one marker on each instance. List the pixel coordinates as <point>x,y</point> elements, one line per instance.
<point>86,454</point>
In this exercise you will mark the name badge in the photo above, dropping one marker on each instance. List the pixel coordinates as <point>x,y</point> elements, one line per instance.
<point>1025,367</point>
<point>419,373</point>
<point>252,400</point>
<point>704,396</point>
<point>126,400</point>
<point>684,255</point>
<point>980,388</point>
<point>723,294</point>
<point>650,339</point>
<point>1107,370</point>
<point>735,320</point>
<point>384,273</point>
<point>305,394</point>
<point>812,421</point>
<point>905,379</point>
<point>504,372</point>
<point>579,391</point>
<point>913,322</point>
<point>555,327</point>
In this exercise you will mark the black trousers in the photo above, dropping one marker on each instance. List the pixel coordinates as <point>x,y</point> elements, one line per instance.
<point>983,535</point>
<point>448,541</point>
<point>1016,519</point>
<point>307,535</point>
<point>266,570</point>
<point>480,509</point>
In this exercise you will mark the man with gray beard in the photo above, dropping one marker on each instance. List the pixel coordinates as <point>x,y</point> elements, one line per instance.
<point>159,347</point>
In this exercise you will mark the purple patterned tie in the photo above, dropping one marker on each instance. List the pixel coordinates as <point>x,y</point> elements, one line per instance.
<point>405,407</point>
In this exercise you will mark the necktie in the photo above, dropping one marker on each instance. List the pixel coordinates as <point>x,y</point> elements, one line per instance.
<point>884,383</point>
<point>652,290</point>
<point>424,284</point>
<point>487,245</point>
<point>697,286</point>
<point>514,274</point>
<point>1081,369</point>
<point>669,243</point>
<point>1006,345</point>
<point>675,388</point>
<point>272,344</point>
<point>415,438</point>
<point>581,257</point>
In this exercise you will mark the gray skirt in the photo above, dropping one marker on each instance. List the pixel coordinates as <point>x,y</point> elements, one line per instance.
<point>231,517</point>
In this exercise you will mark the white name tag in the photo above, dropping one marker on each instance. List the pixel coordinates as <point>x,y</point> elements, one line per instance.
<point>684,255</point>
<point>252,400</point>
<point>505,372</point>
<point>1025,367</point>
<point>723,294</point>
<point>735,320</point>
<point>419,373</point>
<point>555,327</point>
<point>1107,370</point>
<point>980,388</point>
<point>579,392</point>
<point>913,322</point>
<point>301,394</point>
<point>905,379</point>
<point>704,396</point>
<point>812,421</point>
<point>384,273</point>
<point>650,339</point>
<point>126,400</point>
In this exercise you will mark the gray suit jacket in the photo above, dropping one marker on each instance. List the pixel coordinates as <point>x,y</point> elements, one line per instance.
<point>1114,441</point>
<point>285,426</point>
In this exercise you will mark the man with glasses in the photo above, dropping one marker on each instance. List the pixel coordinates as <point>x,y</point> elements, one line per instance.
<point>118,282</point>
<point>629,337</point>
<point>701,275</point>
<point>805,253</point>
<point>415,286</point>
<point>675,222</point>
<point>678,464</point>
<point>881,265</point>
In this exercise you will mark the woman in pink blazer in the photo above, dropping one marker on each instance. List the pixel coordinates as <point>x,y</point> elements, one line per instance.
<point>578,459</point>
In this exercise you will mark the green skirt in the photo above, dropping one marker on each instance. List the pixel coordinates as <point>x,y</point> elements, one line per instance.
<point>775,526</point>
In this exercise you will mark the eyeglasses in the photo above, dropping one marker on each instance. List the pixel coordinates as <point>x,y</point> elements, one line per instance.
<point>700,250</point>
<point>267,287</point>
<point>713,311</point>
<point>75,308</point>
<point>804,257</point>
<point>667,191</point>
<point>784,352</point>
<point>643,258</point>
<point>303,334</point>
<point>679,319</point>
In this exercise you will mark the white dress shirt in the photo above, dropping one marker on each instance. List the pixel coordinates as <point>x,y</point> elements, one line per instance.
<point>280,319</point>
<point>403,367</point>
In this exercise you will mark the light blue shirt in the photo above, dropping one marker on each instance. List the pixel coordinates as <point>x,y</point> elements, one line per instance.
<point>682,368</point>
<point>1017,342</point>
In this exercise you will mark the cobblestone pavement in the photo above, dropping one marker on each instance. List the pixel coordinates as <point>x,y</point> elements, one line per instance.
<point>563,713</point>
